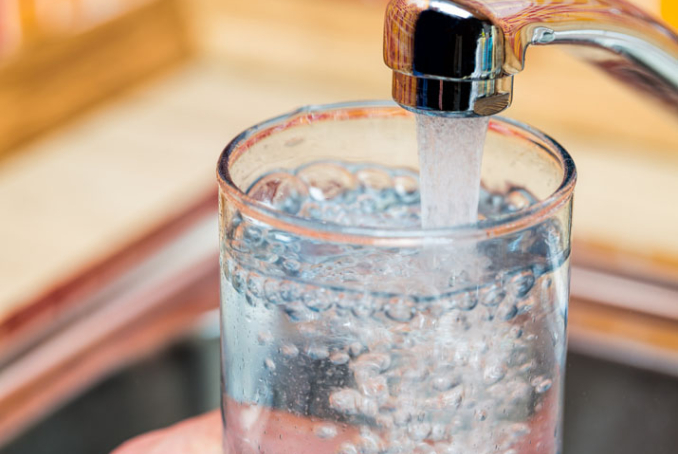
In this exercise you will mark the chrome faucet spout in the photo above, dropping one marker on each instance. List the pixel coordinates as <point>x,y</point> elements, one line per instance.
<point>459,57</point>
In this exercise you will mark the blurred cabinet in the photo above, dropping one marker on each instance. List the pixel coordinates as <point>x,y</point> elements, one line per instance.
<point>58,57</point>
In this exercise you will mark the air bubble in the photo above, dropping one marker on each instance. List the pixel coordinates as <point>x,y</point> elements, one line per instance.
<point>291,266</point>
<point>339,358</point>
<point>345,401</point>
<point>494,374</point>
<point>255,286</point>
<point>240,280</point>
<point>369,443</point>
<point>376,387</point>
<point>424,448</point>
<point>419,431</point>
<point>466,301</point>
<point>541,384</point>
<point>407,188</point>
<point>444,382</point>
<point>297,312</point>
<point>522,283</point>
<point>325,431</point>
<point>451,399</point>
<point>327,181</point>
<point>400,309</point>
<point>368,407</point>
<point>281,191</point>
<point>519,430</point>
<point>492,296</point>
<point>356,349</point>
<point>288,291</point>
<point>317,351</point>
<point>374,178</point>
<point>253,236</point>
<point>438,432</point>
<point>380,361</point>
<point>270,364</point>
<point>264,337</point>
<point>347,448</point>
<point>289,350</point>
<point>317,300</point>
<point>519,199</point>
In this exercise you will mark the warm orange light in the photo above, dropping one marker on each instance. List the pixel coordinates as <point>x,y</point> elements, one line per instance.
<point>670,11</point>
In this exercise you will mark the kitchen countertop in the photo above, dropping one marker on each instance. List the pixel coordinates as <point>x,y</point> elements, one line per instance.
<point>79,194</point>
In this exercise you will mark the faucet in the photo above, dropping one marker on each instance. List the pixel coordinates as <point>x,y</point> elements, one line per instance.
<point>459,57</point>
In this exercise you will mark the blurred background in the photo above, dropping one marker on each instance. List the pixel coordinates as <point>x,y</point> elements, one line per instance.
<point>112,117</point>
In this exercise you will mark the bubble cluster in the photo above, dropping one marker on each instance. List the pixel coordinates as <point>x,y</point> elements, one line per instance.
<point>421,351</point>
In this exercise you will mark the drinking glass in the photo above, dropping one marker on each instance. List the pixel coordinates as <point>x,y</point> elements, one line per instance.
<point>347,328</point>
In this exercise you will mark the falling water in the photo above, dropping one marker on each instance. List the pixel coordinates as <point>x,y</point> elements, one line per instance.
<point>450,156</point>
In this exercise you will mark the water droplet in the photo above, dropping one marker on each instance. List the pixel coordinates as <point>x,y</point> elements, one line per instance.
<point>400,309</point>
<point>270,364</point>
<point>325,431</point>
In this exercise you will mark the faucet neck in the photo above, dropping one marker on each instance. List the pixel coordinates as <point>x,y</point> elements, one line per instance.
<point>462,44</point>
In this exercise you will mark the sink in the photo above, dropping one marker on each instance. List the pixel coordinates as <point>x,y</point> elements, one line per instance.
<point>610,407</point>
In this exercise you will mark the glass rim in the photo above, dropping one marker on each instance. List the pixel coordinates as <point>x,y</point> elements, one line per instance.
<point>330,232</point>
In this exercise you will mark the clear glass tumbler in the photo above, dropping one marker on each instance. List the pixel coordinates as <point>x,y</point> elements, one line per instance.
<point>348,329</point>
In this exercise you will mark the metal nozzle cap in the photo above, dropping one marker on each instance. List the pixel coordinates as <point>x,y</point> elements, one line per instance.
<point>463,98</point>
